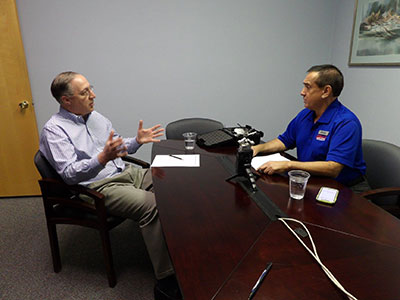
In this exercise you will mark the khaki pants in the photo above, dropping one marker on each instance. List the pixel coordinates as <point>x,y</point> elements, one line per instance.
<point>125,196</point>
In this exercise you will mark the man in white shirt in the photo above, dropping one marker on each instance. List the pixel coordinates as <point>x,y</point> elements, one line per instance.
<point>83,148</point>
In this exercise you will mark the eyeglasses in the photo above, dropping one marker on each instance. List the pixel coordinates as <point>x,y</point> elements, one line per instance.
<point>86,92</point>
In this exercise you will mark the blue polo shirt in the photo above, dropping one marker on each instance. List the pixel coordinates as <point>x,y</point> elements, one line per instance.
<point>336,136</point>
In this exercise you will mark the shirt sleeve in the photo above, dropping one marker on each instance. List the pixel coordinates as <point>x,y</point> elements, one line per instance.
<point>344,142</point>
<point>60,152</point>
<point>132,145</point>
<point>288,138</point>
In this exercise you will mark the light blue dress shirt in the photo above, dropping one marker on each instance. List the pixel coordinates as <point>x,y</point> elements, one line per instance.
<point>71,146</point>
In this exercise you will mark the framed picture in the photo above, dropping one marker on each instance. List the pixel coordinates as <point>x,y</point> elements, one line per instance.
<point>376,33</point>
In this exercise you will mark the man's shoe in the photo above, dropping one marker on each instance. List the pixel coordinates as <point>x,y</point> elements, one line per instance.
<point>167,289</point>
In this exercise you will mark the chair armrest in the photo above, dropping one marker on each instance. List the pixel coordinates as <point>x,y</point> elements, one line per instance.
<point>63,204</point>
<point>136,161</point>
<point>389,191</point>
<point>57,191</point>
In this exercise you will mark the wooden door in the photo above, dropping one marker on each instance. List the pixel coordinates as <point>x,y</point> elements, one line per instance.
<point>18,130</point>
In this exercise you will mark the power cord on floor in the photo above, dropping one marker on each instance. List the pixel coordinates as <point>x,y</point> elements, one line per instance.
<point>315,255</point>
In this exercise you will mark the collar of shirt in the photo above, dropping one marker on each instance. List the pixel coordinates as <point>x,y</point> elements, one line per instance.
<point>71,116</point>
<point>329,112</point>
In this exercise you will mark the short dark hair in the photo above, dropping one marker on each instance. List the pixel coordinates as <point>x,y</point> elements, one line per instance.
<point>329,75</point>
<point>61,85</point>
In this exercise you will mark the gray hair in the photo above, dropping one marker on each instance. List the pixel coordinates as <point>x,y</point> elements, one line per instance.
<point>61,85</point>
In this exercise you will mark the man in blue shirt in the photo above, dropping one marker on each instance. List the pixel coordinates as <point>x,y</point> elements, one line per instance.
<point>83,148</point>
<point>327,135</point>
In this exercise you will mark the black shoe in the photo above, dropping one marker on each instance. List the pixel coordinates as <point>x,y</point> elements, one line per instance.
<point>167,289</point>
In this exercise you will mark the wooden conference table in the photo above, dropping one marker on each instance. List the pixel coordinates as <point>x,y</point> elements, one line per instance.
<point>220,241</point>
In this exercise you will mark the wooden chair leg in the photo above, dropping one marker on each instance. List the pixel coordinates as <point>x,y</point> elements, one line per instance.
<point>55,250</point>
<point>108,259</point>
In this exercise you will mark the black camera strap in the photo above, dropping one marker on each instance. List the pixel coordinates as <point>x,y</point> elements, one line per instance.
<point>270,209</point>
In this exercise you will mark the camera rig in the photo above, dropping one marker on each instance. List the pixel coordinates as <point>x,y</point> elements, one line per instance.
<point>246,137</point>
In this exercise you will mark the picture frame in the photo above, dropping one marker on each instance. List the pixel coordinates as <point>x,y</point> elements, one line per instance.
<point>376,33</point>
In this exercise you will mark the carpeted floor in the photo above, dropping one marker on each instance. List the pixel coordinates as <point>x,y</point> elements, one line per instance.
<point>26,270</point>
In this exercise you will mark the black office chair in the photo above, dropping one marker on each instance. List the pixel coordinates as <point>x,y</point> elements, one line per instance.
<point>62,205</point>
<point>383,174</point>
<point>174,130</point>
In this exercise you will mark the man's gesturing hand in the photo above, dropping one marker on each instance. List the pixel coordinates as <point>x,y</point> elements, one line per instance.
<point>113,148</point>
<point>148,135</point>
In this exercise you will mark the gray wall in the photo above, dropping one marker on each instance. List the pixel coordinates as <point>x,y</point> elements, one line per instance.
<point>371,92</point>
<point>157,60</point>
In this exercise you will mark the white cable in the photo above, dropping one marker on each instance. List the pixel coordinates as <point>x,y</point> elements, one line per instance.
<point>314,253</point>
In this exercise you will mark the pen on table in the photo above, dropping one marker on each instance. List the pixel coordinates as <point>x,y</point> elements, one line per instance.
<point>177,157</point>
<point>259,281</point>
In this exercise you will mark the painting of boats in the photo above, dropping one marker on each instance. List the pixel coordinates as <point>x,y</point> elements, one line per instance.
<point>376,33</point>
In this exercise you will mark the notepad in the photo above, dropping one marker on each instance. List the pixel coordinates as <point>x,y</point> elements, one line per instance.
<point>258,161</point>
<point>177,160</point>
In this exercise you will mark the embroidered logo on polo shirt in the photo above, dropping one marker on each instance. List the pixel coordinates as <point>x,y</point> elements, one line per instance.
<point>322,134</point>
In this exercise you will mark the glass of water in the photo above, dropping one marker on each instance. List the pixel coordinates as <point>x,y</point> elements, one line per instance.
<point>297,183</point>
<point>190,140</point>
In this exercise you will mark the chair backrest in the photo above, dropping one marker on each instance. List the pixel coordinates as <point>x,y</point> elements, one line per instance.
<point>44,167</point>
<point>174,130</point>
<point>383,163</point>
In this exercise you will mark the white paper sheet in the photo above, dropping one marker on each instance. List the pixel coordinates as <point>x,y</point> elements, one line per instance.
<point>177,160</point>
<point>257,161</point>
